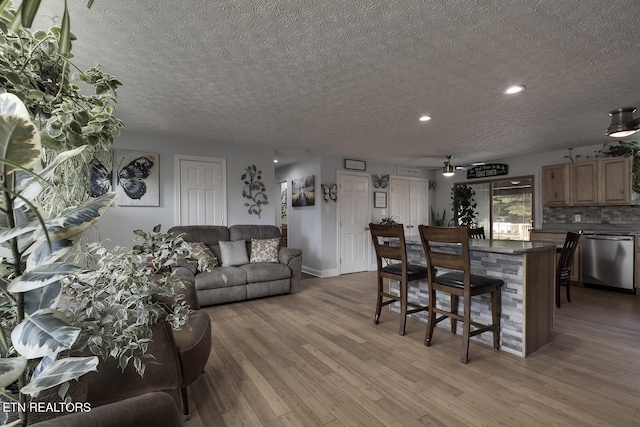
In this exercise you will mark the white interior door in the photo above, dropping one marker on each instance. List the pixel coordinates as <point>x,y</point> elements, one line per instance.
<point>399,207</point>
<point>353,195</point>
<point>201,195</point>
<point>417,205</point>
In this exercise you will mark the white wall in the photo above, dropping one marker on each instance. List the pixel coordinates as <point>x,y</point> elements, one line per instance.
<point>518,166</point>
<point>119,221</point>
<point>314,229</point>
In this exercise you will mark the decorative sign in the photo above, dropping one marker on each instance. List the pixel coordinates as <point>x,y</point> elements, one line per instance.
<point>408,171</point>
<point>356,165</point>
<point>486,171</point>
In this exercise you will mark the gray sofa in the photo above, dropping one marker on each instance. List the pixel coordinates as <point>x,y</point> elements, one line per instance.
<point>253,280</point>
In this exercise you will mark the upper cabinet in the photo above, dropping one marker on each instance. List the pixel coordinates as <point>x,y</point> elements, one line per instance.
<point>555,185</point>
<point>596,182</point>
<point>615,180</point>
<point>583,189</point>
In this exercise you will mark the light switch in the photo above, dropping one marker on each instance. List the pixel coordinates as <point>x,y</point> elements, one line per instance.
<point>577,218</point>
<point>383,212</point>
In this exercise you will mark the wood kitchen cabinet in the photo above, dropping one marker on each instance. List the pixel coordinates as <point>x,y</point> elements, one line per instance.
<point>555,185</point>
<point>596,182</point>
<point>583,188</point>
<point>615,180</point>
<point>558,239</point>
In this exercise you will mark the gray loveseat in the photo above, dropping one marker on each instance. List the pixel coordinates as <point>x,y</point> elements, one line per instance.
<point>253,280</point>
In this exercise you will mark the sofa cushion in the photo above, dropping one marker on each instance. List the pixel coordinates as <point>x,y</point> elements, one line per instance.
<point>220,277</point>
<point>265,250</point>
<point>203,255</point>
<point>265,271</point>
<point>233,253</point>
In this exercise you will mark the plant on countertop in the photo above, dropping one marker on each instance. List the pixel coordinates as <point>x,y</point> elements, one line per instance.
<point>254,190</point>
<point>37,68</point>
<point>35,336</point>
<point>119,300</point>
<point>463,206</point>
<point>388,220</point>
<point>624,149</point>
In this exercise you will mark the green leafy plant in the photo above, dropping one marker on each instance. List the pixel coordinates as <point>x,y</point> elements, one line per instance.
<point>117,301</point>
<point>624,149</point>
<point>438,221</point>
<point>463,206</point>
<point>254,190</point>
<point>389,220</point>
<point>36,69</point>
<point>35,336</point>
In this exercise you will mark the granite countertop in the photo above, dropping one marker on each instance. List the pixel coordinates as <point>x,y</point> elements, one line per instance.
<point>509,247</point>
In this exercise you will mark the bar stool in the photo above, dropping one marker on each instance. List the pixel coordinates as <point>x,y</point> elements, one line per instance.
<point>563,271</point>
<point>403,271</point>
<point>460,283</point>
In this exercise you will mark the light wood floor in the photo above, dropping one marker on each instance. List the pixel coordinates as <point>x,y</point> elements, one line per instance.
<point>315,358</point>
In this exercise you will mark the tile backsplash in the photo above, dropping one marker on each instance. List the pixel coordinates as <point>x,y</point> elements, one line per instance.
<point>622,215</point>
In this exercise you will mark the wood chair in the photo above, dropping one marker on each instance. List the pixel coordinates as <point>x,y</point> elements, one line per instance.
<point>403,271</point>
<point>459,283</point>
<point>477,233</point>
<point>563,270</point>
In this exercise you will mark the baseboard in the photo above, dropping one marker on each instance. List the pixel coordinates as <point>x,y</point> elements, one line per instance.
<point>320,273</point>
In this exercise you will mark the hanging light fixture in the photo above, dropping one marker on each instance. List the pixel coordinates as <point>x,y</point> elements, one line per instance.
<point>622,123</point>
<point>448,169</point>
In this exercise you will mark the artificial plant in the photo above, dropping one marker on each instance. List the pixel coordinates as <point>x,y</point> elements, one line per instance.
<point>118,300</point>
<point>35,335</point>
<point>37,67</point>
<point>438,221</point>
<point>463,205</point>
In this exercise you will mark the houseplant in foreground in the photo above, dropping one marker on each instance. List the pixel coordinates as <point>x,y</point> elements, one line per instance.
<point>35,336</point>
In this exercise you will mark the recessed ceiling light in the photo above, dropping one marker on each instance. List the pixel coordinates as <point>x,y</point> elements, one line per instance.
<point>275,160</point>
<point>514,89</point>
<point>425,118</point>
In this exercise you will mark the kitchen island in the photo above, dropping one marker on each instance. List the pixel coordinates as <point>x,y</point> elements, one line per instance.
<point>528,293</point>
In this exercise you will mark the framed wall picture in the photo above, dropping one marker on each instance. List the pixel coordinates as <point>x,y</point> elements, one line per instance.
<point>356,165</point>
<point>137,178</point>
<point>303,191</point>
<point>379,199</point>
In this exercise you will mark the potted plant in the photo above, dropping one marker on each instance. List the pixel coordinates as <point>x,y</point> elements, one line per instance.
<point>463,206</point>
<point>117,301</point>
<point>436,220</point>
<point>389,220</point>
<point>35,336</point>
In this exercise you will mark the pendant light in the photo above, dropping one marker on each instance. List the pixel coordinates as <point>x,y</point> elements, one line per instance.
<point>622,123</point>
<point>448,169</point>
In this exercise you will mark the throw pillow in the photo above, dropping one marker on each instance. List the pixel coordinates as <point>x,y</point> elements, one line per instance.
<point>234,253</point>
<point>265,250</point>
<point>201,252</point>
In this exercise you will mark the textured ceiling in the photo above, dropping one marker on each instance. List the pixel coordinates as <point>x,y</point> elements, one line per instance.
<point>351,78</point>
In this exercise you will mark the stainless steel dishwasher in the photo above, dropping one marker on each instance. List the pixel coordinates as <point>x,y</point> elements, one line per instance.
<point>607,260</point>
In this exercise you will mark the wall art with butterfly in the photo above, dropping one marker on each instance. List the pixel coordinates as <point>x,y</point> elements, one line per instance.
<point>136,178</point>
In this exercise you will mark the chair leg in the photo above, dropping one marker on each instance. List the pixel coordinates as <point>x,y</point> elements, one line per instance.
<point>376,318</point>
<point>185,403</point>
<point>454,310</point>
<point>496,311</point>
<point>568,285</point>
<point>403,306</point>
<point>558,293</point>
<point>466,329</point>
<point>431,318</point>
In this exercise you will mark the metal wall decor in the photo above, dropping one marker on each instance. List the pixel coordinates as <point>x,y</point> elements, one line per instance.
<point>254,190</point>
<point>380,181</point>
<point>329,192</point>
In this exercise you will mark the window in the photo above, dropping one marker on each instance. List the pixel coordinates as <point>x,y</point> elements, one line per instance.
<point>505,207</point>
